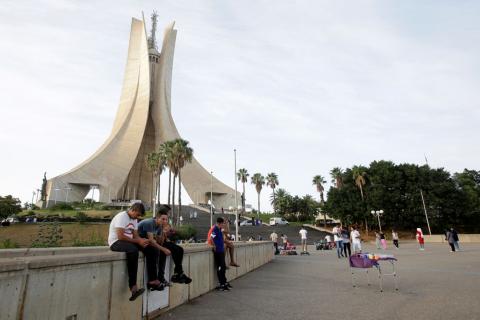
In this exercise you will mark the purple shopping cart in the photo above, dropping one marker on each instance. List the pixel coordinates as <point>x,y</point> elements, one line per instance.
<point>365,262</point>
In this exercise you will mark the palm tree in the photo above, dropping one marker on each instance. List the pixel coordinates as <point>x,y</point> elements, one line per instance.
<point>319,181</point>
<point>166,150</point>
<point>242,176</point>
<point>336,174</point>
<point>272,182</point>
<point>183,155</point>
<point>359,175</point>
<point>156,163</point>
<point>258,180</point>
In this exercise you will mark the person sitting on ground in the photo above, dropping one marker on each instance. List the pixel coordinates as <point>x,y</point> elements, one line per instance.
<point>123,237</point>
<point>176,251</point>
<point>219,254</point>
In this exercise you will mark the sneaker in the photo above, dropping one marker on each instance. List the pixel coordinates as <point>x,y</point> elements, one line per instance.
<point>166,283</point>
<point>175,278</point>
<point>229,285</point>
<point>224,288</point>
<point>183,278</point>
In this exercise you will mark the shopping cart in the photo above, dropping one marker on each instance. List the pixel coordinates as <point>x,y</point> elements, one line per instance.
<point>365,262</point>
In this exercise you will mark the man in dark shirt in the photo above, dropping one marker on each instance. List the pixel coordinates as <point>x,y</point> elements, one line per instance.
<point>152,229</point>
<point>219,254</point>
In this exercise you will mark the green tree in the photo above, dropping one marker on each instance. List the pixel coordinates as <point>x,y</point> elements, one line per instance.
<point>156,163</point>
<point>336,174</point>
<point>183,155</point>
<point>242,176</point>
<point>272,182</point>
<point>319,181</point>
<point>167,152</point>
<point>9,206</point>
<point>258,180</point>
<point>281,201</point>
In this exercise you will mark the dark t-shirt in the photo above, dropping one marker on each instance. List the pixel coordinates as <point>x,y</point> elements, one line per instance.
<point>217,238</point>
<point>148,225</point>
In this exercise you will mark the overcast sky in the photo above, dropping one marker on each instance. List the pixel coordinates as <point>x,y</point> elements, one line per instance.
<point>298,87</point>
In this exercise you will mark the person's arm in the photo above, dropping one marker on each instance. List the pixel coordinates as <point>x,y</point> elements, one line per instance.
<point>136,239</point>
<point>152,240</point>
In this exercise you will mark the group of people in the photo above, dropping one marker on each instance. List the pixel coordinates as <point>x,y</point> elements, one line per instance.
<point>381,241</point>
<point>346,241</point>
<point>152,237</point>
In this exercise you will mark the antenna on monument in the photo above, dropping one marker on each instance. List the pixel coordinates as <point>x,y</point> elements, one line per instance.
<point>152,43</point>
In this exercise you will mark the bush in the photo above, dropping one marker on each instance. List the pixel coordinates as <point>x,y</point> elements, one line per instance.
<point>81,216</point>
<point>8,244</point>
<point>61,206</point>
<point>185,232</point>
<point>94,240</point>
<point>49,235</point>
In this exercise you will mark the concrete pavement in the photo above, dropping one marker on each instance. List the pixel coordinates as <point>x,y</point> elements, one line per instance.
<point>434,284</point>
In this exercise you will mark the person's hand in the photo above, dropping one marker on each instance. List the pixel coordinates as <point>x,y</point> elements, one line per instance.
<point>167,252</point>
<point>144,242</point>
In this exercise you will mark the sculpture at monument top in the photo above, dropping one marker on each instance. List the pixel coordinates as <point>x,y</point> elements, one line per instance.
<point>43,194</point>
<point>143,122</point>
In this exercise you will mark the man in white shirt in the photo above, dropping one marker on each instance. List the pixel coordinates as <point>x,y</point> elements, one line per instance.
<point>274,238</point>
<point>356,241</point>
<point>303,236</point>
<point>337,237</point>
<point>123,237</point>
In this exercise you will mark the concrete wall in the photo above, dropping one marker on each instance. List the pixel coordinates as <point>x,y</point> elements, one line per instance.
<point>440,238</point>
<point>91,283</point>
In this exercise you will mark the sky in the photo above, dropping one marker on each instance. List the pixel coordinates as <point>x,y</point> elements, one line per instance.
<point>297,87</point>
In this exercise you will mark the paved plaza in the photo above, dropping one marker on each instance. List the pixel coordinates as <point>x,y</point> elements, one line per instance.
<point>434,284</point>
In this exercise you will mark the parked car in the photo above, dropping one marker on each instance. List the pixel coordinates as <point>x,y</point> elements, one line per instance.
<point>247,223</point>
<point>278,221</point>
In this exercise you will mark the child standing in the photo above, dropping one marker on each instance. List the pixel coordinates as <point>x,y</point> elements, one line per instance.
<point>420,239</point>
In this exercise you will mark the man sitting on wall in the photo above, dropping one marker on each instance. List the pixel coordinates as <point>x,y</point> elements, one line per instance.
<point>153,230</point>
<point>123,237</point>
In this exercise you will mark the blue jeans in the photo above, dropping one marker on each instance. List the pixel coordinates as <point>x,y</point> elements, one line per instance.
<point>457,247</point>
<point>339,245</point>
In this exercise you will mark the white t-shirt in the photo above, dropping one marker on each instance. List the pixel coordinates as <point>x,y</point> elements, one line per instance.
<point>303,234</point>
<point>274,237</point>
<point>328,238</point>
<point>355,235</point>
<point>336,235</point>
<point>121,220</point>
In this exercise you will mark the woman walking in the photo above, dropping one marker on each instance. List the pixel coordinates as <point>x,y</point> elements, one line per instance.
<point>346,242</point>
<point>451,240</point>
<point>383,241</point>
<point>395,238</point>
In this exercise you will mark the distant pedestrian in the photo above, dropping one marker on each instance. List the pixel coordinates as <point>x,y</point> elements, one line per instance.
<point>274,238</point>
<point>346,242</point>
<point>377,240</point>
<point>420,239</point>
<point>450,238</point>
<point>395,238</point>
<point>284,241</point>
<point>455,239</point>
<point>356,240</point>
<point>303,237</point>
<point>383,241</point>
<point>337,237</point>
<point>219,254</point>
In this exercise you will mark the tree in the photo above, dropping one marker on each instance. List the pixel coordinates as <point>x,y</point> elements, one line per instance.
<point>156,163</point>
<point>258,180</point>
<point>166,150</point>
<point>9,206</point>
<point>183,155</point>
<point>242,176</point>
<point>319,181</point>
<point>336,174</point>
<point>281,201</point>
<point>272,182</point>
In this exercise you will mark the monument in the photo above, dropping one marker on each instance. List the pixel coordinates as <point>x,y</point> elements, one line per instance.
<point>142,123</point>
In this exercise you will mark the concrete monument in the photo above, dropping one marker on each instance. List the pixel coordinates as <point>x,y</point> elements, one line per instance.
<point>143,122</point>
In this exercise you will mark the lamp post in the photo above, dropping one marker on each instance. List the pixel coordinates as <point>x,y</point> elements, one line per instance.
<point>211,198</point>
<point>236,203</point>
<point>378,213</point>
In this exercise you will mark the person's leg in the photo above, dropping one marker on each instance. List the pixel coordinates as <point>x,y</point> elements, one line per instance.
<point>221,267</point>
<point>349,250</point>
<point>162,259</point>
<point>452,247</point>
<point>344,249</point>
<point>131,250</point>
<point>457,246</point>
<point>151,257</point>
<point>339,248</point>
<point>395,242</point>
<point>177,256</point>
<point>231,251</point>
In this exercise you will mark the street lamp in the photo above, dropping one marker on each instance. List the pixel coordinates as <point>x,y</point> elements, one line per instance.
<point>378,213</point>
<point>211,198</point>
<point>236,203</point>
